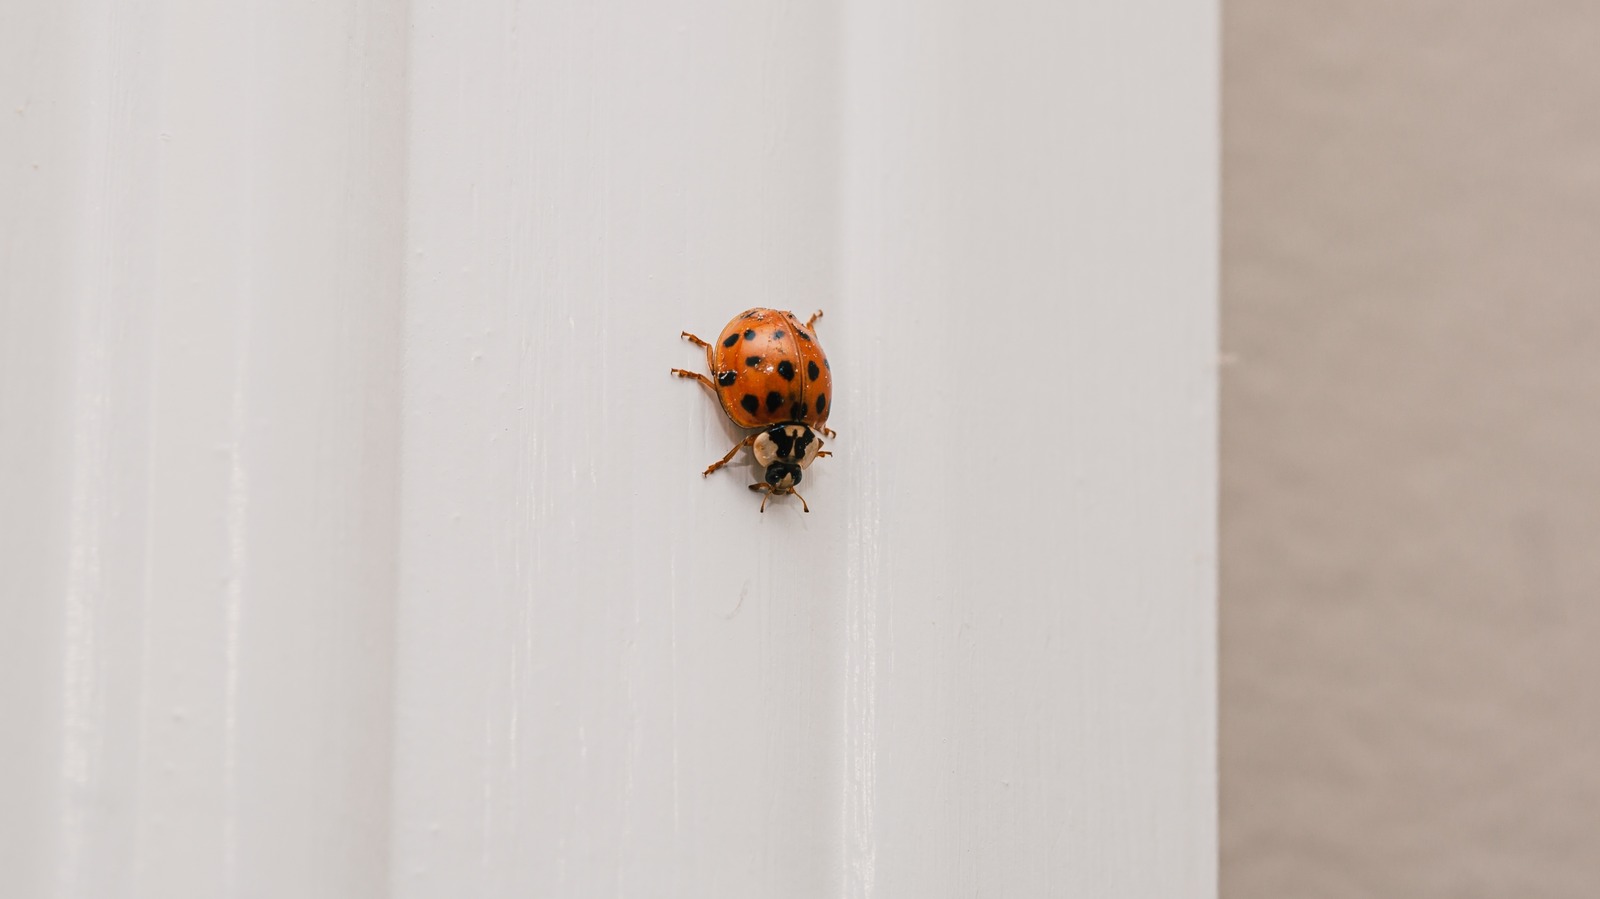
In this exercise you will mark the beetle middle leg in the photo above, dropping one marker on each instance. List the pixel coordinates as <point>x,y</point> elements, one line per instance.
<point>711,359</point>
<point>683,373</point>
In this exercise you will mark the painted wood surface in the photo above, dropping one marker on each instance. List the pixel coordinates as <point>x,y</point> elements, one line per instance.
<point>356,527</point>
<point>201,265</point>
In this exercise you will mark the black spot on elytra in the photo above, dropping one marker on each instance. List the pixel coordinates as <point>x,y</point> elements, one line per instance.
<point>786,369</point>
<point>774,400</point>
<point>828,365</point>
<point>727,378</point>
<point>798,410</point>
<point>804,336</point>
<point>749,335</point>
<point>777,335</point>
<point>812,371</point>
<point>732,339</point>
<point>750,403</point>
<point>752,313</point>
<point>752,360</point>
<point>822,403</point>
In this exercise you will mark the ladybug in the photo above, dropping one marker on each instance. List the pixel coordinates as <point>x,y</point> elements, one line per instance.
<point>769,372</point>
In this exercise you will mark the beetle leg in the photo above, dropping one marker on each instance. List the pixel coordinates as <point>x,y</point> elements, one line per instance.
<point>812,321</point>
<point>711,363</point>
<point>698,377</point>
<point>729,457</point>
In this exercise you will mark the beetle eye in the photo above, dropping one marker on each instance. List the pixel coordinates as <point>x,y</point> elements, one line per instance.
<point>778,471</point>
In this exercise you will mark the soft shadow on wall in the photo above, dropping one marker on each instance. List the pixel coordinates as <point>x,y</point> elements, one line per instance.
<point>1411,495</point>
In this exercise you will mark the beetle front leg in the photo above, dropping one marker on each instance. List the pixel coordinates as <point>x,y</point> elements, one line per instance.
<point>729,457</point>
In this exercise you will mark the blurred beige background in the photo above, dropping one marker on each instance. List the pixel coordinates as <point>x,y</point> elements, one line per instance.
<point>1411,432</point>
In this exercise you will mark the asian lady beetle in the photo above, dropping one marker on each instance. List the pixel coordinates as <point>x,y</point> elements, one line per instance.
<point>769,372</point>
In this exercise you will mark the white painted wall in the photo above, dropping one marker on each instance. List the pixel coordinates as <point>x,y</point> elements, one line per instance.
<point>354,525</point>
<point>199,446</point>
